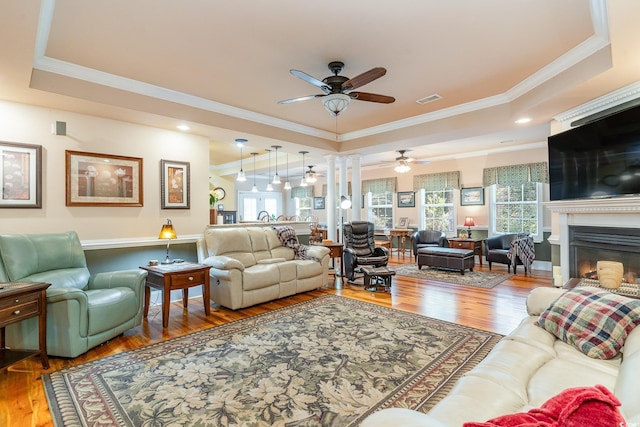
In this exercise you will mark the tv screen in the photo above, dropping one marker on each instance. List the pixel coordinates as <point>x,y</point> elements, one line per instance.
<point>598,159</point>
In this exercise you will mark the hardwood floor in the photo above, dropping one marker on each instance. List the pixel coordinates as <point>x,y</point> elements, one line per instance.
<point>22,398</point>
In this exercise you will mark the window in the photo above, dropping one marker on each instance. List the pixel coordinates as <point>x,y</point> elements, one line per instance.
<point>516,209</point>
<point>380,210</point>
<point>439,210</point>
<point>303,206</point>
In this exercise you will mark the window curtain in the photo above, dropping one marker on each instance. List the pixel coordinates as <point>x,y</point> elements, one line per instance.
<point>516,174</point>
<point>302,192</point>
<point>436,181</point>
<point>379,185</point>
<point>324,190</point>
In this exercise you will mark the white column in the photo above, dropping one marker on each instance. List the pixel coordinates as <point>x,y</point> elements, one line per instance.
<point>356,188</point>
<point>343,189</point>
<point>330,201</point>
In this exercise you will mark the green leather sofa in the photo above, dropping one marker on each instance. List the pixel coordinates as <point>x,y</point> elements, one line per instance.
<point>83,310</point>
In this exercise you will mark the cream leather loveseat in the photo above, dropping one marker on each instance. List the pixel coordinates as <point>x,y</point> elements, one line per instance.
<point>524,370</point>
<point>249,265</point>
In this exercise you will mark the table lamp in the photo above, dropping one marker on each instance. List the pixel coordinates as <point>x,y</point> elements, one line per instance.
<point>468,222</point>
<point>169,233</point>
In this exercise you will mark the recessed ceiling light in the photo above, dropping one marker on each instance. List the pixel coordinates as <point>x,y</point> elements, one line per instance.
<point>183,127</point>
<point>523,120</point>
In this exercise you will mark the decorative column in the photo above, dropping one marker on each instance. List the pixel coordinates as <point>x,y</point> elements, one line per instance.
<point>356,188</point>
<point>330,200</point>
<point>343,189</point>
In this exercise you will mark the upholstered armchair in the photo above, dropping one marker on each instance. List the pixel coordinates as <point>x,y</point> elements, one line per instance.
<point>83,310</point>
<point>496,249</point>
<point>425,238</point>
<point>360,248</point>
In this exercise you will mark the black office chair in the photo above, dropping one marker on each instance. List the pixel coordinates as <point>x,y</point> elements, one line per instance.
<point>360,248</point>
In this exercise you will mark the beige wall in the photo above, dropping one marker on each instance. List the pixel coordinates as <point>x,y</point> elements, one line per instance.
<point>32,125</point>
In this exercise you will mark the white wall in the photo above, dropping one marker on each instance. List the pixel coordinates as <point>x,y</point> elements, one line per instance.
<point>32,125</point>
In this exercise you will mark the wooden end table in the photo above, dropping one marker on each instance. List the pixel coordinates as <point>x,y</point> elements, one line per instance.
<point>401,235</point>
<point>169,277</point>
<point>474,245</point>
<point>335,251</point>
<point>20,301</point>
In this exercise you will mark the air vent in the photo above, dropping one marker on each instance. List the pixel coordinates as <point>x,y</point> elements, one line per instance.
<point>428,99</point>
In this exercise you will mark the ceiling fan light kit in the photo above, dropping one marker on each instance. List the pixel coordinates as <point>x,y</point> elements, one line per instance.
<point>310,176</point>
<point>402,167</point>
<point>338,90</point>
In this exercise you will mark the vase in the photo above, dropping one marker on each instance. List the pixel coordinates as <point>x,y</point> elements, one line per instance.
<point>610,273</point>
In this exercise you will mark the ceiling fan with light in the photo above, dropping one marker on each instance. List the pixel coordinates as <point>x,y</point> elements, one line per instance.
<point>339,90</point>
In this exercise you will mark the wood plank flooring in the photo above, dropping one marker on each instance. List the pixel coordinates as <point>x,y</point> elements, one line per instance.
<point>23,402</point>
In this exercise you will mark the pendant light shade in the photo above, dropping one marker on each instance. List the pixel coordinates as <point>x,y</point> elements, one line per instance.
<point>276,177</point>
<point>254,189</point>
<point>241,176</point>
<point>269,186</point>
<point>303,182</point>
<point>287,185</point>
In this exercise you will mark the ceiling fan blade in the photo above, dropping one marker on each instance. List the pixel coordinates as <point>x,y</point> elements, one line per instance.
<point>302,98</point>
<point>363,79</point>
<point>372,97</point>
<point>309,79</point>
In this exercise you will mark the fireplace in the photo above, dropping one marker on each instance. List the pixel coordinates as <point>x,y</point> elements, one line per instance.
<point>619,213</point>
<point>588,245</point>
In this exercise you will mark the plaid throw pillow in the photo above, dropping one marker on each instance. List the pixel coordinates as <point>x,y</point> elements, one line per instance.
<point>595,321</point>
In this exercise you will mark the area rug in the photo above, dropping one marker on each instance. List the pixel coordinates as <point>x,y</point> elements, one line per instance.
<point>477,278</point>
<point>329,361</point>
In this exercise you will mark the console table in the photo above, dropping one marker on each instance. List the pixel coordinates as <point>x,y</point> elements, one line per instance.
<point>401,235</point>
<point>20,301</point>
<point>474,245</point>
<point>169,277</point>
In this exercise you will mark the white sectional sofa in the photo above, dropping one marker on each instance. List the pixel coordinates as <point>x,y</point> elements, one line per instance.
<point>525,369</point>
<point>250,265</point>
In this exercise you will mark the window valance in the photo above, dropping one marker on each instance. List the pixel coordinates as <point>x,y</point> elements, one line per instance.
<point>436,181</point>
<point>516,174</point>
<point>302,192</point>
<point>380,185</point>
<point>324,190</point>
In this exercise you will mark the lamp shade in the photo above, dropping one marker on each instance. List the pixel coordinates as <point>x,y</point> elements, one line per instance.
<point>345,203</point>
<point>336,103</point>
<point>167,231</point>
<point>468,222</point>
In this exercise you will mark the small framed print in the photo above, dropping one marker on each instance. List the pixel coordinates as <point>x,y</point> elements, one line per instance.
<point>404,222</point>
<point>406,199</point>
<point>471,196</point>
<point>21,175</point>
<point>174,185</point>
<point>318,203</point>
<point>94,179</point>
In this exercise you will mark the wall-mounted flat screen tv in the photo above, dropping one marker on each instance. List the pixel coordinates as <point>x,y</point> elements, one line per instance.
<point>598,159</point>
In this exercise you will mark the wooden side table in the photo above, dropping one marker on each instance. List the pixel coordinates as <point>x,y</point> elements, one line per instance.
<point>335,251</point>
<point>20,301</point>
<point>401,235</point>
<point>474,245</point>
<point>169,277</point>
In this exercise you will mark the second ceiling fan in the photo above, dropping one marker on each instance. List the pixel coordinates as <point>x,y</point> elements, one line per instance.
<point>339,90</point>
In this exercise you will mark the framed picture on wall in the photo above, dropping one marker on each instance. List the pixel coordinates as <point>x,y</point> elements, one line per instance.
<point>21,175</point>
<point>318,203</point>
<point>471,196</point>
<point>406,199</point>
<point>174,185</point>
<point>94,179</point>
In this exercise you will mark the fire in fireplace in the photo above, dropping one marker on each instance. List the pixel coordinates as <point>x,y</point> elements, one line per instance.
<point>588,245</point>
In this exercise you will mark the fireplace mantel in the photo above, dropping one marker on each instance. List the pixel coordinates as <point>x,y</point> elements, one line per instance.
<point>610,212</point>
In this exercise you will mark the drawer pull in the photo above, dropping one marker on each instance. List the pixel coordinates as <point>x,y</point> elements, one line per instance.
<point>17,301</point>
<point>16,312</point>
<point>191,278</point>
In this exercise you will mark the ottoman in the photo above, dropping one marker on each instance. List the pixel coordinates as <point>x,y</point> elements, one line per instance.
<point>375,275</point>
<point>451,258</point>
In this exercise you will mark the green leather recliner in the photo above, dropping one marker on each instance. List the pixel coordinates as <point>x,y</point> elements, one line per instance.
<point>83,310</point>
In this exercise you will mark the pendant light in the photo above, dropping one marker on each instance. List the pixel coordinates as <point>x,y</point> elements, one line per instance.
<point>303,182</point>
<point>254,189</point>
<point>276,177</point>
<point>269,186</point>
<point>241,176</point>
<point>287,185</point>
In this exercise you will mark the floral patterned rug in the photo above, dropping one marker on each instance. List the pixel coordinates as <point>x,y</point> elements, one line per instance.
<point>477,278</point>
<point>329,361</point>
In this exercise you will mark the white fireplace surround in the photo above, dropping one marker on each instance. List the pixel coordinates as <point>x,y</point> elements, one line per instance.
<point>621,212</point>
